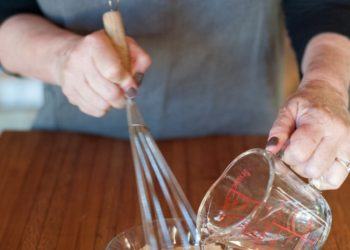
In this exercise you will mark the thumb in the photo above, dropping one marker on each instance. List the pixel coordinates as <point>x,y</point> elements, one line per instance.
<point>281,130</point>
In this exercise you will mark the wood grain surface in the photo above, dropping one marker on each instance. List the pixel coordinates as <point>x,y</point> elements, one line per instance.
<point>70,191</point>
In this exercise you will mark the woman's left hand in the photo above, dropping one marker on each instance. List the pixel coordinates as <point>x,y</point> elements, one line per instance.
<point>313,128</point>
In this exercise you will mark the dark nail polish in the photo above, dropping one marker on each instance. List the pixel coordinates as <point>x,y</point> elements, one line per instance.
<point>272,142</point>
<point>131,93</point>
<point>138,78</point>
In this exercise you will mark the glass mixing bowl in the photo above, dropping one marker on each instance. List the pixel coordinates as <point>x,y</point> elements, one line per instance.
<point>134,239</point>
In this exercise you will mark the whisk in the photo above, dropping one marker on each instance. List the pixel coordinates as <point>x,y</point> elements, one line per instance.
<point>160,194</point>
<point>152,171</point>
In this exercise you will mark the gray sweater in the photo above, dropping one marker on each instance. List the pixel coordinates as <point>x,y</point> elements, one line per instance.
<point>216,66</point>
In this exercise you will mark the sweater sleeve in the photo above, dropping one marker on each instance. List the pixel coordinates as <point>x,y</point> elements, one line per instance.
<point>305,19</point>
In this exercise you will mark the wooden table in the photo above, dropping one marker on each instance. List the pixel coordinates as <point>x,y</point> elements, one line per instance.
<point>70,191</point>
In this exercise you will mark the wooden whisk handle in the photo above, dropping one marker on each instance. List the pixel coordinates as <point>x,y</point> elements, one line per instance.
<point>113,25</point>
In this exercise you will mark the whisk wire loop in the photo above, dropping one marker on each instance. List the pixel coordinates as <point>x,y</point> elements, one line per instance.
<point>159,173</point>
<point>163,232</point>
<point>152,172</point>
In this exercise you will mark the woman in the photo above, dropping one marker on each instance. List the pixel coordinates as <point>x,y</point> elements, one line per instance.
<point>216,70</point>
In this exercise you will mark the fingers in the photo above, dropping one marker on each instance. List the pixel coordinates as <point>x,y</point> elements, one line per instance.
<point>76,98</point>
<point>282,128</point>
<point>89,109</point>
<point>333,178</point>
<point>109,64</point>
<point>302,144</point>
<point>140,60</point>
<point>317,128</point>
<point>93,76</point>
<point>91,97</point>
<point>309,153</point>
<point>322,158</point>
<point>109,91</point>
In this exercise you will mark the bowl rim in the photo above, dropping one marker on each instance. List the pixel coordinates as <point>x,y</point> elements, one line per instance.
<point>130,230</point>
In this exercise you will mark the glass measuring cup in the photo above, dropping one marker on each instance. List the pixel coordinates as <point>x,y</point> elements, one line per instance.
<point>259,203</point>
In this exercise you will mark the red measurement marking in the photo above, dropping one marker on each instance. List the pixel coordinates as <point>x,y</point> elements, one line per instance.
<point>240,178</point>
<point>243,202</point>
<point>238,199</point>
<point>234,191</point>
<point>236,182</point>
<point>286,229</point>
<point>238,217</point>
<point>245,197</point>
<point>278,216</point>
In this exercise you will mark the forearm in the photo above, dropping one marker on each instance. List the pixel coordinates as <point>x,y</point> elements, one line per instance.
<point>32,46</point>
<point>327,59</point>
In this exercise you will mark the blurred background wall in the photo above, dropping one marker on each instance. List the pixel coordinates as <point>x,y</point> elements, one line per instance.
<point>20,99</point>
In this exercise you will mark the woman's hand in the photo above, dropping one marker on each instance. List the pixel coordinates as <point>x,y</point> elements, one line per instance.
<point>91,75</point>
<point>88,69</point>
<point>314,128</point>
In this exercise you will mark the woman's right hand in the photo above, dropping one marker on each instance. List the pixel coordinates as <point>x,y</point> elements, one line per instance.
<point>91,75</point>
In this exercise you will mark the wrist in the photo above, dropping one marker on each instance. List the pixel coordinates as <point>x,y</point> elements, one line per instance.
<point>327,60</point>
<point>324,88</point>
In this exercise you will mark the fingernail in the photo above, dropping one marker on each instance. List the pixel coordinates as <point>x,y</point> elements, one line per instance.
<point>272,142</point>
<point>138,78</point>
<point>131,92</point>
